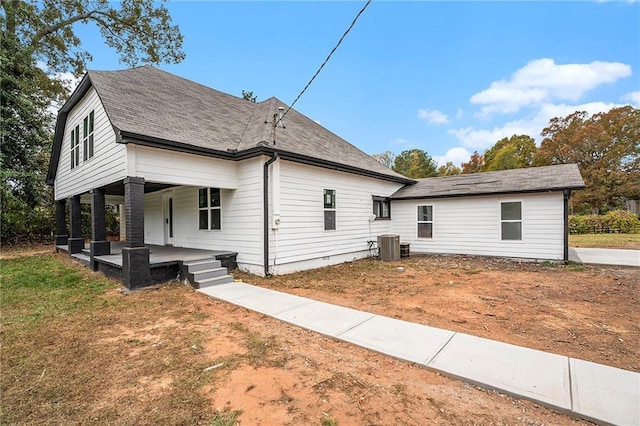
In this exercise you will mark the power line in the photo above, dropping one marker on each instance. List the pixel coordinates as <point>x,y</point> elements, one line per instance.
<point>328,57</point>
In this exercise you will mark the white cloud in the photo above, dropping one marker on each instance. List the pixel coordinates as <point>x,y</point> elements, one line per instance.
<point>456,155</point>
<point>543,81</point>
<point>481,139</point>
<point>433,117</point>
<point>633,98</point>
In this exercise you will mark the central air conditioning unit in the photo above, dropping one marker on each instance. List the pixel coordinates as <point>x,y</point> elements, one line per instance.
<point>389,246</point>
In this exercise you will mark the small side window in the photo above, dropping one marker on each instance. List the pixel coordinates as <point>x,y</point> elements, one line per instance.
<point>425,221</point>
<point>511,221</point>
<point>209,206</point>
<point>381,207</point>
<point>329,209</point>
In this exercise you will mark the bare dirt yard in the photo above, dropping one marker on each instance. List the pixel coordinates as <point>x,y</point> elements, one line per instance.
<point>583,311</point>
<point>76,349</point>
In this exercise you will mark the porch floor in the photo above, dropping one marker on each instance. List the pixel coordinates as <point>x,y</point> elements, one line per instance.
<point>158,255</point>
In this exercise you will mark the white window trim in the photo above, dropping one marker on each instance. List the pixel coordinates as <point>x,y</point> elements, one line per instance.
<point>89,137</point>
<point>500,221</point>
<point>433,228</point>
<point>209,208</point>
<point>75,150</point>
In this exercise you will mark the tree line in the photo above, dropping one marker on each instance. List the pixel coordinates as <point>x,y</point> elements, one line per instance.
<point>38,48</point>
<point>605,146</point>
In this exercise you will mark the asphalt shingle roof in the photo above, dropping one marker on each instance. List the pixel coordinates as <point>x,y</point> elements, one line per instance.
<point>533,179</point>
<point>154,103</point>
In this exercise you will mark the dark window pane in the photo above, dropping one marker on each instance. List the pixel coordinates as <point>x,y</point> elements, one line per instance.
<point>85,149</point>
<point>215,197</point>
<point>425,213</point>
<point>91,145</point>
<point>203,222</point>
<point>425,230</point>
<point>72,160</point>
<point>91,122</point>
<point>77,156</point>
<point>329,199</point>
<point>85,127</point>
<point>329,220</point>
<point>511,211</point>
<point>511,230</point>
<point>215,219</point>
<point>377,208</point>
<point>170,216</point>
<point>202,198</point>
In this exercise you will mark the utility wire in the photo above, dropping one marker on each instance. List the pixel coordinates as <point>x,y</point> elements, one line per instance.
<point>327,60</point>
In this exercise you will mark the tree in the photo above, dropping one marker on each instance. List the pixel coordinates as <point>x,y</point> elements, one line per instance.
<point>385,158</point>
<point>474,165</point>
<point>515,152</point>
<point>449,169</point>
<point>249,96</point>
<point>38,44</point>
<point>605,146</point>
<point>415,163</point>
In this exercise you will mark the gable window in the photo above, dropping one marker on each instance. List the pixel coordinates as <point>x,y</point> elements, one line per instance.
<point>511,220</point>
<point>425,221</point>
<point>75,147</point>
<point>209,206</point>
<point>87,137</point>
<point>381,207</point>
<point>329,209</point>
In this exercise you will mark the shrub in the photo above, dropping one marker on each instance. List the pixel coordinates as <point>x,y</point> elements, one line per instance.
<point>614,221</point>
<point>585,224</point>
<point>621,220</point>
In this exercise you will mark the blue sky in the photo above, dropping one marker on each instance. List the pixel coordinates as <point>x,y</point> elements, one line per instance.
<point>445,77</point>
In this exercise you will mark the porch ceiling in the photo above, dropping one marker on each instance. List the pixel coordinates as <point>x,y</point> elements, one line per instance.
<point>117,188</point>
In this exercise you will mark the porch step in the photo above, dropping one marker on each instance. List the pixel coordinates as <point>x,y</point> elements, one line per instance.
<point>202,264</point>
<point>213,281</point>
<point>205,272</point>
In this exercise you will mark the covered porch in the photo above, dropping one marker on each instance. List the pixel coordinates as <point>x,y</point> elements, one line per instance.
<point>133,261</point>
<point>165,262</point>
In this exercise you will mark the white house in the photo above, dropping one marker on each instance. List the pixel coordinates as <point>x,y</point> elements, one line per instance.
<point>197,168</point>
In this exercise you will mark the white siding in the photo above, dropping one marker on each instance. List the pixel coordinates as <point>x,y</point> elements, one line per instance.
<point>241,217</point>
<point>165,166</point>
<point>471,225</point>
<point>153,219</point>
<point>302,242</point>
<point>108,164</point>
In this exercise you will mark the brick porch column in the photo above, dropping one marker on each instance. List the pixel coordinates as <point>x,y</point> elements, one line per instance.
<point>76,242</point>
<point>136,270</point>
<point>61,237</point>
<point>99,244</point>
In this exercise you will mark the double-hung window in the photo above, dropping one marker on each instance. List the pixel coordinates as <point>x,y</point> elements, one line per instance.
<point>75,147</point>
<point>425,221</point>
<point>511,221</point>
<point>87,137</point>
<point>381,207</point>
<point>209,205</point>
<point>329,209</point>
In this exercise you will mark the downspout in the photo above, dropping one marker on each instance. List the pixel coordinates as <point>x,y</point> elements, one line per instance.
<point>566,194</point>
<point>265,203</point>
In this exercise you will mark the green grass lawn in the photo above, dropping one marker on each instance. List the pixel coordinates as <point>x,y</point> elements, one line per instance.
<point>620,241</point>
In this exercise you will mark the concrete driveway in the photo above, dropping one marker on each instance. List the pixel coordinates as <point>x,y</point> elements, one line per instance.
<point>605,256</point>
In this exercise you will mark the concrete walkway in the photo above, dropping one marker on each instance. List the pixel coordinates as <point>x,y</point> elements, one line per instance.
<point>584,389</point>
<point>605,256</point>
